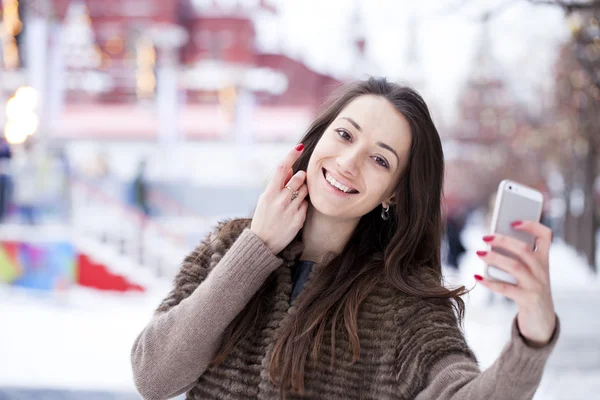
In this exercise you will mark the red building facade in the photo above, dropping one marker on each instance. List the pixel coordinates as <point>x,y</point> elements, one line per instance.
<point>114,49</point>
<point>218,38</point>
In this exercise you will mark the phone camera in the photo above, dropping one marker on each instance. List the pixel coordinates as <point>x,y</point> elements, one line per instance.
<point>509,187</point>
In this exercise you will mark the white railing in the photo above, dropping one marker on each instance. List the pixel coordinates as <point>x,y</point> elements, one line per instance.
<point>99,214</point>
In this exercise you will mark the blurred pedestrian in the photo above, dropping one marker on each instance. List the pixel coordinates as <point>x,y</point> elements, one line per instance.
<point>454,227</point>
<point>27,191</point>
<point>140,189</point>
<point>5,157</point>
<point>63,172</point>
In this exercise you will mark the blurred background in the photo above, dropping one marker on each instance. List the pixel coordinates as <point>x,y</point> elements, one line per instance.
<point>131,126</point>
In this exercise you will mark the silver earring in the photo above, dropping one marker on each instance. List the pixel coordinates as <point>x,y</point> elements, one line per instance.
<point>385,213</point>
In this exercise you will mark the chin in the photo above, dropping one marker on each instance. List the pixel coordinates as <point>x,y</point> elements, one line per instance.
<point>327,208</point>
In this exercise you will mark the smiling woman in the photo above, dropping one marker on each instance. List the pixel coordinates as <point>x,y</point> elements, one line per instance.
<point>333,288</point>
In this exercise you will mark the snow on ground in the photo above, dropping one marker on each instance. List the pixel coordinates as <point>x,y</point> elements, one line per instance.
<point>81,339</point>
<point>78,339</point>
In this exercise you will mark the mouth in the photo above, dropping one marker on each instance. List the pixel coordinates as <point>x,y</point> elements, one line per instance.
<point>337,185</point>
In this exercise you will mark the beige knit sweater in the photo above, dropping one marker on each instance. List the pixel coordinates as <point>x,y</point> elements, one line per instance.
<point>172,353</point>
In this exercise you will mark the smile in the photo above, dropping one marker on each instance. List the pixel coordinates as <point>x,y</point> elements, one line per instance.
<point>337,185</point>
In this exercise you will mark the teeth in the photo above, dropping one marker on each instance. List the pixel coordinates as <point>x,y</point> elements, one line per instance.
<point>335,183</point>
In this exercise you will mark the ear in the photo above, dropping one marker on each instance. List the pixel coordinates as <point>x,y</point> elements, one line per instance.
<point>391,201</point>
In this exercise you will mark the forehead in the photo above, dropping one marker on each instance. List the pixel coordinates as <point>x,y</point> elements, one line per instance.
<point>378,117</point>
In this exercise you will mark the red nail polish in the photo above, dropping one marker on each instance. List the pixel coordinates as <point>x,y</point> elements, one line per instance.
<point>300,147</point>
<point>481,253</point>
<point>516,223</point>
<point>478,277</point>
<point>488,238</point>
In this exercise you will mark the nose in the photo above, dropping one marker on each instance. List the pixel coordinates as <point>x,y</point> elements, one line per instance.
<point>346,161</point>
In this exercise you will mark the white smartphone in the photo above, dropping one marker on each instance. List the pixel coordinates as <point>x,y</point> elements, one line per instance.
<point>514,202</point>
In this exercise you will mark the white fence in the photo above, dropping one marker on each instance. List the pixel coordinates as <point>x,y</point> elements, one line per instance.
<point>101,215</point>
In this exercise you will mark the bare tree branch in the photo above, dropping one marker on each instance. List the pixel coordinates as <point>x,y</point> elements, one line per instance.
<point>569,6</point>
<point>456,8</point>
<point>486,16</point>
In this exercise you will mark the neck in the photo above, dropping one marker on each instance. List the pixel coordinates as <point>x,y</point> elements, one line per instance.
<point>323,234</point>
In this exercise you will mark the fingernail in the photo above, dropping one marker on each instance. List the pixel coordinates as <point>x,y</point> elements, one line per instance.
<point>488,238</point>
<point>478,277</point>
<point>300,147</point>
<point>481,253</point>
<point>515,224</point>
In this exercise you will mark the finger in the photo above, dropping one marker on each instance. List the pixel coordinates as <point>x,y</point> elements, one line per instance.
<point>288,176</point>
<point>515,268</point>
<point>297,180</point>
<point>291,191</point>
<point>543,234</point>
<point>506,289</point>
<point>518,248</point>
<point>278,180</point>
<point>302,193</point>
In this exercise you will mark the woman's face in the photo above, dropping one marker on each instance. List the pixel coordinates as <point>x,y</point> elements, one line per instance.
<point>358,160</point>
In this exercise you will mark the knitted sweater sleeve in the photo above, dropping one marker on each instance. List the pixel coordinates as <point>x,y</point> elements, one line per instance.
<point>516,374</point>
<point>177,345</point>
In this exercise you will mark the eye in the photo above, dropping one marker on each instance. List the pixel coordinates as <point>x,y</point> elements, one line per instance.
<point>381,161</point>
<point>344,134</point>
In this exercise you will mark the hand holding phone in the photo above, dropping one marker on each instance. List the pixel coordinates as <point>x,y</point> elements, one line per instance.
<point>517,261</point>
<point>514,202</point>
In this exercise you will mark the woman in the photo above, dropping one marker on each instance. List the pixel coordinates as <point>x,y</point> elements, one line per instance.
<point>371,319</point>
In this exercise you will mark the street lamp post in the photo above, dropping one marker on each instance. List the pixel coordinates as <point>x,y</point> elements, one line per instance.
<point>36,56</point>
<point>168,38</point>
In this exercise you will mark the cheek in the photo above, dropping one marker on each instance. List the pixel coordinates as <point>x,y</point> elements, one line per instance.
<point>326,146</point>
<point>380,187</point>
<point>312,163</point>
<point>313,169</point>
<point>322,150</point>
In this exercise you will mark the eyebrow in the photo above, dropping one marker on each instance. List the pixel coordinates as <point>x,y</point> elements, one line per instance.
<point>380,144</point>
<point>353,122</point>
<point>385,146</point>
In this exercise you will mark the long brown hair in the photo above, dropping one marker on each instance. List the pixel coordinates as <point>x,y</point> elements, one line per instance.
<point>404,250</point>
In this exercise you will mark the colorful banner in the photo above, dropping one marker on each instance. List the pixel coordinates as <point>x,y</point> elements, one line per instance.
<point>56,266</point>
<point>10,267</point>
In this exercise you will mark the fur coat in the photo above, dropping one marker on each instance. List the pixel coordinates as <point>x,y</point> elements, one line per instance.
<point>401,336</point>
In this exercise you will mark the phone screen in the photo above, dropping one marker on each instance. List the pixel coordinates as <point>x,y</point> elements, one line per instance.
<point>513,207</point>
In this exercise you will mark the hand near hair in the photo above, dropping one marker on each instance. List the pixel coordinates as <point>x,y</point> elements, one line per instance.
<point>279,214</point>
<point>536,317</point>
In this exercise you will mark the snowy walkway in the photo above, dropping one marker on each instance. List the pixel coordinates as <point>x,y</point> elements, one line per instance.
<point>573,371</point>
<point>79,342</point>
